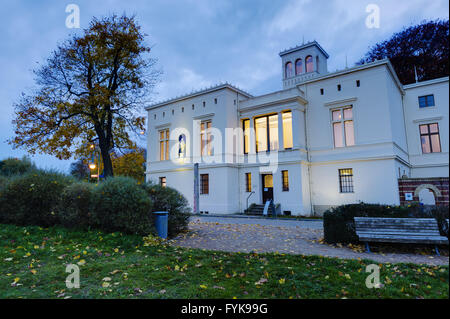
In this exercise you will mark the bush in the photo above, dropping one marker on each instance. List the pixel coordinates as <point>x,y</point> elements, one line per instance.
<point>169,199</point>
<point>3,182</point>
<point>31,198</point>
<point>76,205</point>
<point>339,225</point>
<point>441,215</point>
<point>120,204</point>
<point>14,166</point>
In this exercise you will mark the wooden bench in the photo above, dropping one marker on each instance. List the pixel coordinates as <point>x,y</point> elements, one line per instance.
<point>399,230</point>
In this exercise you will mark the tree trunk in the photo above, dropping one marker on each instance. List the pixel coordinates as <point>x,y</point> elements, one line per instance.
<point>107,163</point>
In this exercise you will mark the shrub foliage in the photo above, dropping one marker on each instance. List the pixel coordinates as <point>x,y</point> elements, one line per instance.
<point>32,198</point>
<point>339,224</point>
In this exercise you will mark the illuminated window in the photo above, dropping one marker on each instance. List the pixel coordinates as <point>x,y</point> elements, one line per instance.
<point>248,182</point>
<point>346,180</point>
<point>266,128</point>
<point>205,138</point>
<point>429,138</point>
<point>287,129</point>
<point>288,70</point>
<point>182,146</point>
<point>343,131</point>
<point>246,128</point>
<point>309,64</point>
<point>204,184</point>
<point>285,180</point>
<point>298,67</point>
<point>164,145</point>
<point>162,181</point>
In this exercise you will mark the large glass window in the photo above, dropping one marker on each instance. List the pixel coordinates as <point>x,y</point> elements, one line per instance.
<point>298,67</point>
<point>205,138</point>
<point>246,128</point>
<point>288,70</point>
<point>164,145</point>
<point>429,137</point>
<point>266,128</point>
<point>343,128</point>
<point>309,64</point>
<point>287,129</point>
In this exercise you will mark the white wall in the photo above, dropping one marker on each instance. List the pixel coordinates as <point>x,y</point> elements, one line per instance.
<point>433,164</point>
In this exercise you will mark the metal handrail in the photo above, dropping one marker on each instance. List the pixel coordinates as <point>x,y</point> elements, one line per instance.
<point>251,193</point>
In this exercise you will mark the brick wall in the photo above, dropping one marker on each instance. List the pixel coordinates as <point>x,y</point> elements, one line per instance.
<point>413,185</point>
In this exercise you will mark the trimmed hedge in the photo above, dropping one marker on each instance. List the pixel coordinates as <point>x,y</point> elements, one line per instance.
<point>32,198</point>
<point>339,224</point>
<point>120,204</point>
<point>75,209</point>
<point>117,204</point>
<point>169,199</point>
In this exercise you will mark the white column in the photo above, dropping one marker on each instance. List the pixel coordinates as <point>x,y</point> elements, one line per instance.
<point>252,137</point>
<point>280,132</point>
<point>296,127</point>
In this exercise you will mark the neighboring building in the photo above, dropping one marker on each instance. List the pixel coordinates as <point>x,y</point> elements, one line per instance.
<point>326,139</point>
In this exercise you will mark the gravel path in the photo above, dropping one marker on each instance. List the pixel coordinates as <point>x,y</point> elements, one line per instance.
<point>291,237</point>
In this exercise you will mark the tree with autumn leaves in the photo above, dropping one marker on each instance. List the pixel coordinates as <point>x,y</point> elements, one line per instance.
<point>90,91</point>
<point>421,50</point>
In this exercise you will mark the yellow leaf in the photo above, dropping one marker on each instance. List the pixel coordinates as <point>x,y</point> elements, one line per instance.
<point>105,285</point>
<point>282,281</point>
<point>203,286</point>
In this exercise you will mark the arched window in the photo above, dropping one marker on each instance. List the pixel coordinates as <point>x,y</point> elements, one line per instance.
<point>298,67</point>
<point>182,146</point>
<point>288,70</point>
<point>309,64</point>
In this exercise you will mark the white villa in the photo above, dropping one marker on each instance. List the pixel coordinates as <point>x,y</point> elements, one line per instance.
<point>324,140</point>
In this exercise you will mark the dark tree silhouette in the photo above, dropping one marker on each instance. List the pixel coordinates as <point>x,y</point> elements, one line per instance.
<point>424,46</point>
<point>80,169</point>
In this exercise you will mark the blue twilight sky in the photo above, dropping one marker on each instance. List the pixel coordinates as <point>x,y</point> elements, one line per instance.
<point>200,42</point>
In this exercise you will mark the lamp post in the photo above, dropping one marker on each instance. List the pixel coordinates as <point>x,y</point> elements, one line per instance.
<point>93,165</point>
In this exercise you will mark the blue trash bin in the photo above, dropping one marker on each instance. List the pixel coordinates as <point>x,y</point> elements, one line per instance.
<point>161,223</point>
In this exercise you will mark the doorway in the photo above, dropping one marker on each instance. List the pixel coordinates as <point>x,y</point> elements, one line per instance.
<point>267,189</point>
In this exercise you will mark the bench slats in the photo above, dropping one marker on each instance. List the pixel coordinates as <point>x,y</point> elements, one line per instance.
<point>402,230</point>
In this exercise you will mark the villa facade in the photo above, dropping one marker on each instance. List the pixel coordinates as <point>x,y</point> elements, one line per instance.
<point>324,140</point>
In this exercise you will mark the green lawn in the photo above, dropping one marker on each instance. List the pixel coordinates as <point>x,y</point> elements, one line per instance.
<point>33,262</point>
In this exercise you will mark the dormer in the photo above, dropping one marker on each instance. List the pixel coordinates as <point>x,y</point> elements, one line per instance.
<point>303,63</point>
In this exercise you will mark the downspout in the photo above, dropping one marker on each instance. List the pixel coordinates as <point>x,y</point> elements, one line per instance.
<point>238,153</point>
<point>308,156</point>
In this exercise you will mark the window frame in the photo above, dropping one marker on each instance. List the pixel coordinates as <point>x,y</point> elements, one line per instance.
<point>301,66</point>
<point>426,101</point>
<point>204,184</point>
<point>164,141</point>
<point>286,70</point>
<point>206,131</point>
<point>307,70</point>
<point>285,180</point>
<point>246,138</point>
<point>349,187</point>
<point>342,121</point>
<point>428,135</point>
<point>248,182</point>
<point>267,132</point>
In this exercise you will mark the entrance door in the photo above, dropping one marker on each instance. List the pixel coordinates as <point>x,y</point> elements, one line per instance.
<point>267,189</point>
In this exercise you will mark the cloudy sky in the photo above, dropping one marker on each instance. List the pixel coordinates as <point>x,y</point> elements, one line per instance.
<point>200,43</point>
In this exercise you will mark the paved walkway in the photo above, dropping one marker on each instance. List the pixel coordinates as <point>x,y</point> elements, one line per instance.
<point>283,236</point>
